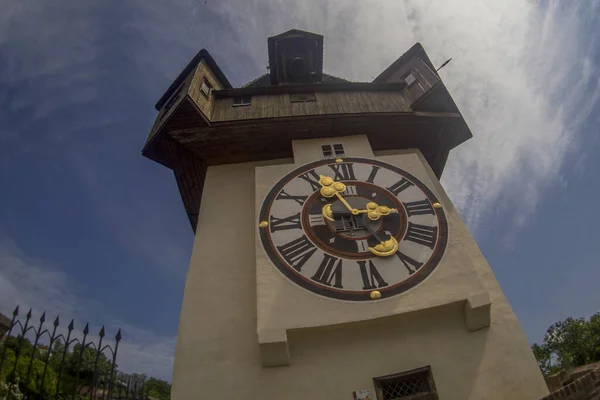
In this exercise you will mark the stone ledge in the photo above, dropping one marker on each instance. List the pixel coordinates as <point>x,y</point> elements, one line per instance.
<point>477,311</point>
<point>274,349</point>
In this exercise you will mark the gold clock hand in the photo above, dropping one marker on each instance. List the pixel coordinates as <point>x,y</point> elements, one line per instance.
<point>330,188</point>
<point>374,211</point>
<point>327,213</point>
<point>385,247</point>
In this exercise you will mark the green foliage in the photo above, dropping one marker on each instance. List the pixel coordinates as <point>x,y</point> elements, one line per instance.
<point>86,365</point>
<point>569,343</point>
<point>13,342</point>
<point>158,389</point>
<point>33,382</point>
<point>10,391</point>
<point>15,378</point>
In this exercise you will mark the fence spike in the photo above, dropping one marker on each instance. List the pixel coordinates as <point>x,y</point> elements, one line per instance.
<point>52,343</point>
<point>50,387</point>
<point>62,360</point>
<point>38,334</point>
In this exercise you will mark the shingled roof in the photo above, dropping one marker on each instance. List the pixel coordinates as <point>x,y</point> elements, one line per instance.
<point>265,80</point>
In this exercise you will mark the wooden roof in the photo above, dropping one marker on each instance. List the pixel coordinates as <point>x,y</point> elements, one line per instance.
<point>265,80</point>
<point>203,54</point>
<point>294,34</point>
<point>188,141</point>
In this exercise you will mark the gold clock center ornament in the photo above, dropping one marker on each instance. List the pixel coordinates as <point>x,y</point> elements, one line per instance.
<point>330,188</point>
<point>352,228</point>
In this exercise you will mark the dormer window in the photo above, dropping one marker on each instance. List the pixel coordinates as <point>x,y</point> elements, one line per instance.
<point>410,79</point>
<point>171,101</point>
<point>302,98</point>
<point>242,101</point>
<point>206,88</point>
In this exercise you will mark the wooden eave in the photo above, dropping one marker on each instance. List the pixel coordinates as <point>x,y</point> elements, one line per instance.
<point>203,54</point>
<point>309,88</point>
<point>227,142</point>
<point>438,98</point>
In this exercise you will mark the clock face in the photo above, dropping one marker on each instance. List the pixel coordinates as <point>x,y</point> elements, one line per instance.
<point>356,229</point>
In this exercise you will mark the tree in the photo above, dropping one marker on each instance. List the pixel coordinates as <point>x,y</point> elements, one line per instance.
<point>21,343</point>
<point>36,370</point>
<point>159,389</point>
<point>569,343</point>
<point>87,365</point>
<point>76,372</point>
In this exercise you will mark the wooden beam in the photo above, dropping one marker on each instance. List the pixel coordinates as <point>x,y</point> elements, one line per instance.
<point>190,172</point>
<point>307,88</point>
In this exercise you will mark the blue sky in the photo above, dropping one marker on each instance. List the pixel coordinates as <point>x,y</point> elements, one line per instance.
<point>92,230</point>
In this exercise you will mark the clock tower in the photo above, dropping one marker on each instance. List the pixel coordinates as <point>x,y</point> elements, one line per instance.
<point>328,261</point>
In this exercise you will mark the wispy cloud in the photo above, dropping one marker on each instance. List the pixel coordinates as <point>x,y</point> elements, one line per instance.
<point>523,72</point>
<point>133,226</point>
<point>33,283</point>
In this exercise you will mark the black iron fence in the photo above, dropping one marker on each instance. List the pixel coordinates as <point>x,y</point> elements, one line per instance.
<point>48,361</point>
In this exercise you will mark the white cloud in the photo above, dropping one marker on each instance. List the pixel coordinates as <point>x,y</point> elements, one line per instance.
<point>33,283</point>
<point>522,74</point>
<point>143,351</point>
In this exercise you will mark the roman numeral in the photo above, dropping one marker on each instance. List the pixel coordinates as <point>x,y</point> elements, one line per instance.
<point>297,252</point>
<point>286,196</point>
<point>370,276</point>
<point>422,234</point>
<point>330,271</point>
<point>371,178</point>
<point>311,177</point>
<point>316,220</point>
<point>407,261</point>
<point>418,207</point>
<point>350,191</point>
<point>343,172</point>
<point>363,245</point>
<point>399,186</point>
<point>281,224</point>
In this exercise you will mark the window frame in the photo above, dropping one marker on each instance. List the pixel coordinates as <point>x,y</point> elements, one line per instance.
<point>206,83</point>
<point>346,223</point>
<point>380,381</point>
<point>244,101</point>
<point>338,149</point>
<point>332,150</point>
<point>171,102</point>
<point>303,98</point>
<point>410,74</point>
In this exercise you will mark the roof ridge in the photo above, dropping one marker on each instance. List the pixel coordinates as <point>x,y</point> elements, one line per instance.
<point>337,77</point>
<point>325,76</point>
<point>254,80</point>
